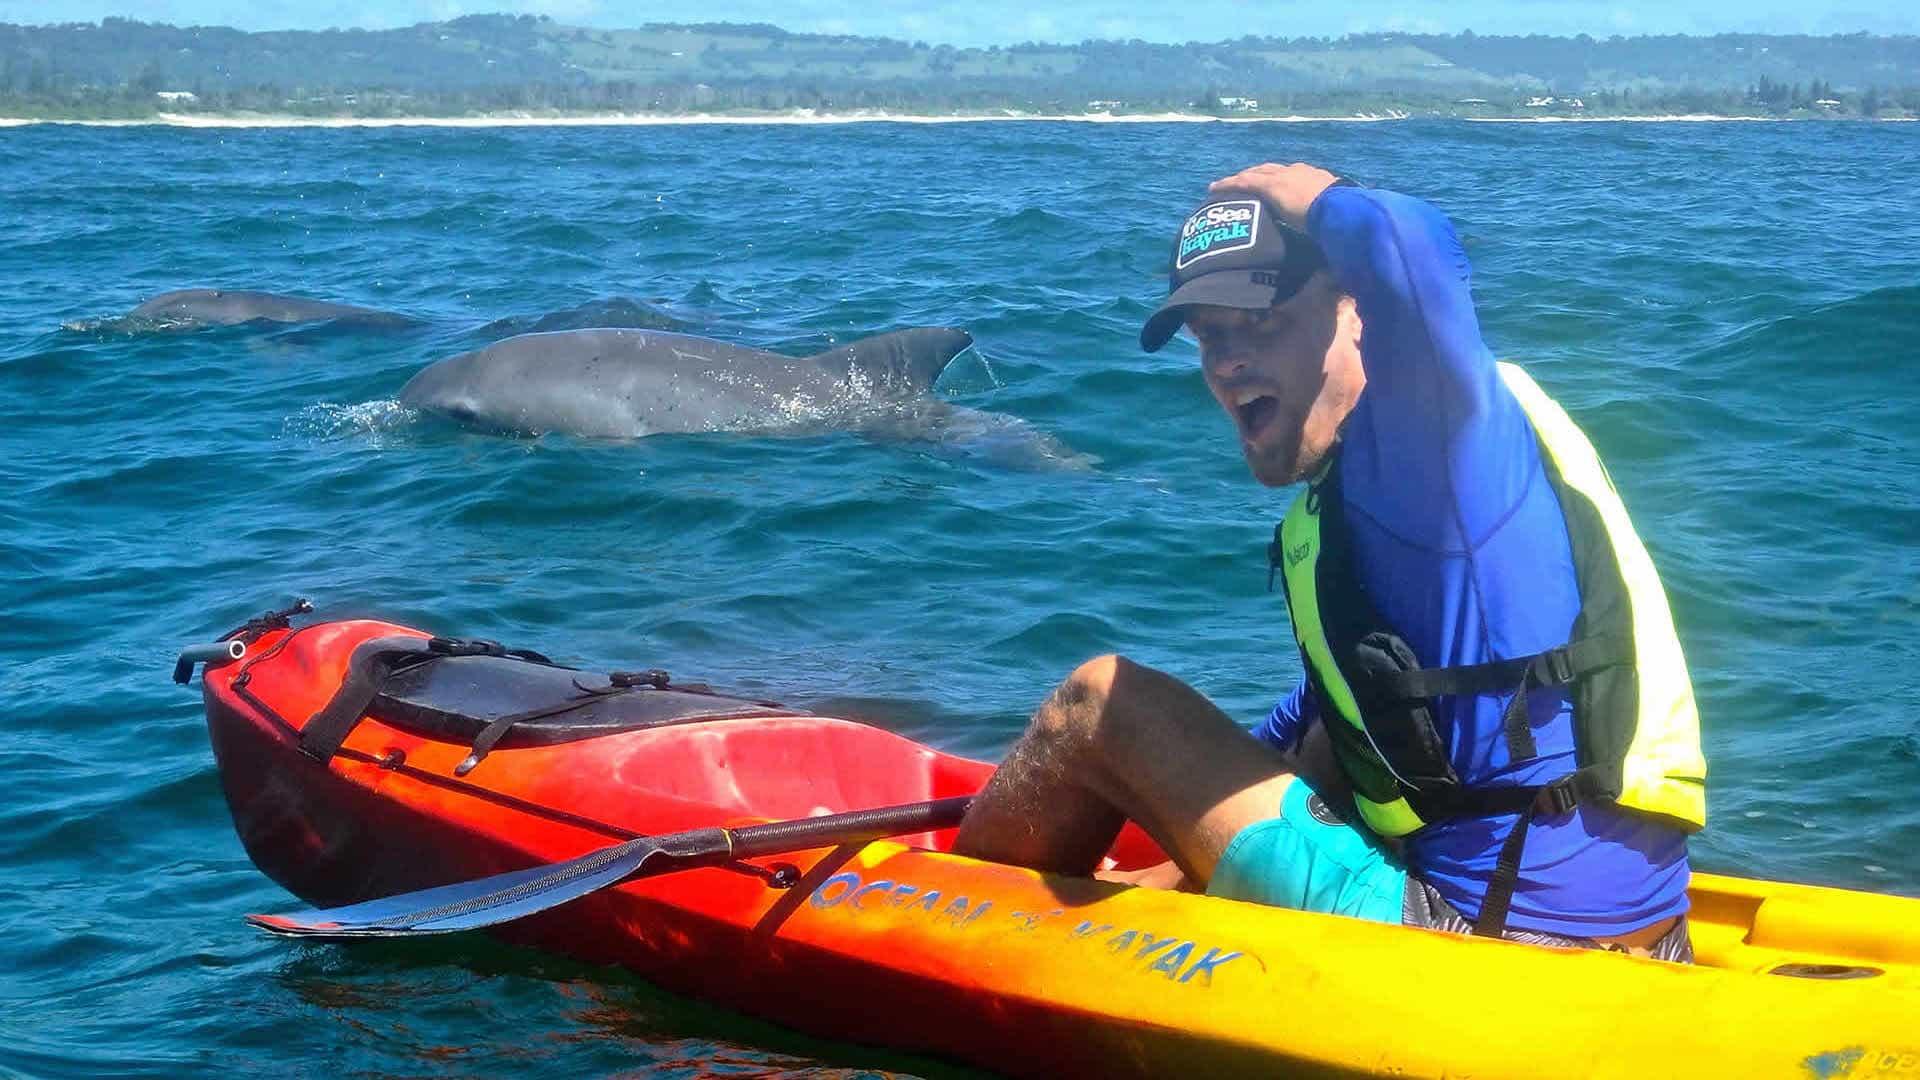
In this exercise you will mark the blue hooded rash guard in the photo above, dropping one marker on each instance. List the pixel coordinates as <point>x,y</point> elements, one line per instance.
<point>1463,549</point>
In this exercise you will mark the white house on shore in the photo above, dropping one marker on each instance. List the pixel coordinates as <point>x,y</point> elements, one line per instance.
<point>177,97</point>
<point>1239,104</point>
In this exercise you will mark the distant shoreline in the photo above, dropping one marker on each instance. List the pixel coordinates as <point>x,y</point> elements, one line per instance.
<point>798,117</point>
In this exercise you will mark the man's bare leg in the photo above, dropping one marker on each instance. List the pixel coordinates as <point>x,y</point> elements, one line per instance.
<point>1116,741</point>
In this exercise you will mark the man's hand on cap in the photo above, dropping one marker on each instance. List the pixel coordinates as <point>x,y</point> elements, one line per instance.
<point>1289,189</point>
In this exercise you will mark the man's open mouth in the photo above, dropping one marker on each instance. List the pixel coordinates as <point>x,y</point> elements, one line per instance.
<point>1256,414</point>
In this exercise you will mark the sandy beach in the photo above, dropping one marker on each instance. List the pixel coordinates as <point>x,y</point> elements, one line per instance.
<point>802,116</point>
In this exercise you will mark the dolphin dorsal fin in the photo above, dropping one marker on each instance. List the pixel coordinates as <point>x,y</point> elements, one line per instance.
<point>904,361</point>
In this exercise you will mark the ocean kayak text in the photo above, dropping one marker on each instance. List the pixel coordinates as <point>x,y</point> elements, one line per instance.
<point>1177,959</point>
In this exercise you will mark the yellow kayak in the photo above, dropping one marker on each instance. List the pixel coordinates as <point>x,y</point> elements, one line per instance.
<point>1791,980</point>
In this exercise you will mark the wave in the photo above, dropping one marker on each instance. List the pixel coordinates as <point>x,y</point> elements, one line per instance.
<point>1870,334</point>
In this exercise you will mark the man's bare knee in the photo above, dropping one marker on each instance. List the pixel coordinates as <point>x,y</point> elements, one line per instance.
<point>1079,706</point>
<point>1110,697</point>
<point>1095,679</point>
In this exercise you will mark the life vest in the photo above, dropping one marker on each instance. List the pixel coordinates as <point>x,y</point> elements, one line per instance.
<point>1636,729</point>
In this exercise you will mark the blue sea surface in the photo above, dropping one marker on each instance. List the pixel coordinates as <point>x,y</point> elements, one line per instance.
<point>1731,310</point>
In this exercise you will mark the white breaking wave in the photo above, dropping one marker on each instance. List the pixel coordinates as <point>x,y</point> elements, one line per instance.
<point>374,421</point>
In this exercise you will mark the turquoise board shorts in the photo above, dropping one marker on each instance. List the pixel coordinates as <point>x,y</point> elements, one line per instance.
<point>1308,859</point>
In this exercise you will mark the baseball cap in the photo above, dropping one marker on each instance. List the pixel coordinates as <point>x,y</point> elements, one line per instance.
<point>1234,251</point>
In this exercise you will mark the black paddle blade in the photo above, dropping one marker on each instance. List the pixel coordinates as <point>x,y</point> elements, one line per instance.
<point>469,905</point>
<point>490,901</point>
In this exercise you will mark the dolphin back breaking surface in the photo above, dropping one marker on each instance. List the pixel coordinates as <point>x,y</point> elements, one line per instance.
<point>197,309</point>
<point>629,383</point>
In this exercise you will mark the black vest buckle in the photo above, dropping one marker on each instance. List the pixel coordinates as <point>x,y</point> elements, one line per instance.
<point>1558,797</point>
<point>1553,667</point>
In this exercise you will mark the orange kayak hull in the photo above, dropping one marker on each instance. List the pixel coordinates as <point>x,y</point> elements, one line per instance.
<point>903,944</point>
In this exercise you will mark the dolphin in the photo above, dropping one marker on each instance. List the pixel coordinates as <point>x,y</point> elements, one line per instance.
<point>592,315</point>
<point>191,309</point>
<point>628,383</point>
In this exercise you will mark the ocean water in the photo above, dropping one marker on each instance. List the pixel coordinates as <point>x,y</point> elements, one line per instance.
<point>1732,311</point>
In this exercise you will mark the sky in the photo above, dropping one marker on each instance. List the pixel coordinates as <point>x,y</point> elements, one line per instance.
<point>1005,22</point>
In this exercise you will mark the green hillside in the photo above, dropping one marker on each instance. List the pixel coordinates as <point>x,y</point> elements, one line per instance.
<point>497,62</point>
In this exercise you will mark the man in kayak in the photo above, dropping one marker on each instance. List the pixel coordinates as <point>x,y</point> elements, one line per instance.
<point>1497,732</point>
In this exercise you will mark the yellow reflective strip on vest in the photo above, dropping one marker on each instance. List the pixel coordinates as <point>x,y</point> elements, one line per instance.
<point>1300,549</point>
<point>1665,770</point>
<point>1396,818</point>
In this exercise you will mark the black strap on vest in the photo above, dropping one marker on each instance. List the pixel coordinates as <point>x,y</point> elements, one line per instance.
<point>1530,802</point>
<point>1558,797</point>
<point>1554,667</point>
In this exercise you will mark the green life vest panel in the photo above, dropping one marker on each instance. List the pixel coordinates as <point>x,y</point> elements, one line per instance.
<point>1636,728</point>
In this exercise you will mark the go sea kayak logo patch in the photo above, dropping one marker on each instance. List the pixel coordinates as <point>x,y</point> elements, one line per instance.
<point>1216,228</point>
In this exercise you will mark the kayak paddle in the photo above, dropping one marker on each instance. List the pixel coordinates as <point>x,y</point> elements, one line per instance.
<point>490,901</point>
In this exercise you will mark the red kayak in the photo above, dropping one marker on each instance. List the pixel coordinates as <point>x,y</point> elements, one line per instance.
<point>362,759</point>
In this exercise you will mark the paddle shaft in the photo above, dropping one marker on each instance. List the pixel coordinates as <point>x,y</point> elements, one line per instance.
<point>696,848</point>
<point>852,827</point>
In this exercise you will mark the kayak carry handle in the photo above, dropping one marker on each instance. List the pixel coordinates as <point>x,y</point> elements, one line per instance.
<point>220,652</point>
<point>272,620</point>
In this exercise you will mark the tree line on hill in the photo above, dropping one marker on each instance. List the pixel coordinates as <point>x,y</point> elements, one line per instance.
<point>480,64</point>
